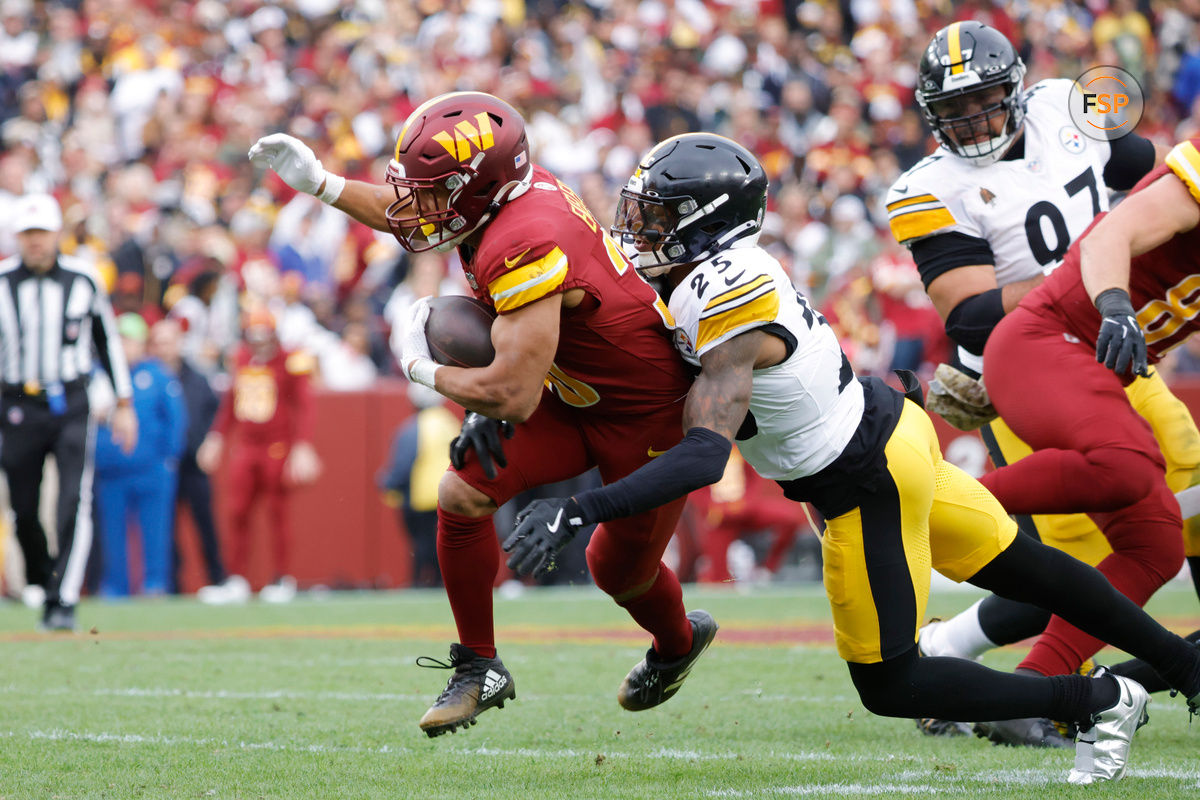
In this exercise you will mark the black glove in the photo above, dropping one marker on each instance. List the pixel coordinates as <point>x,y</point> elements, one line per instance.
<point>540,531</point>
<point>481,434</point>
<point>1120,344</point>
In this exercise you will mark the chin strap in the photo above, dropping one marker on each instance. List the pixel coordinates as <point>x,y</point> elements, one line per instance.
<point>509,191</point>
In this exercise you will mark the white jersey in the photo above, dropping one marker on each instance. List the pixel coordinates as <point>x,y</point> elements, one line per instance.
<point>1029,209</point>
<point>805,409</point>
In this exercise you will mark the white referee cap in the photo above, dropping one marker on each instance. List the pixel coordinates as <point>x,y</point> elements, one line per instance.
<point>37,212</point>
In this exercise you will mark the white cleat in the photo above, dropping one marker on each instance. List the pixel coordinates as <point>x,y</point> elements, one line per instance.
<point>1102,752</point>
<point>925,645</point>
<point>33,596</point>
<point>281,591</point>
<point>235,589</point>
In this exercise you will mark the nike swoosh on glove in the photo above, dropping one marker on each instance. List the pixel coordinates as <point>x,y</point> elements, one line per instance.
<point>541,530</point>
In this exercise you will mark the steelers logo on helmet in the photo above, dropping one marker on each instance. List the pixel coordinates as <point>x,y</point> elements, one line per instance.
<point>970,89</point>
<point>691,196</point>
<point>458,158</point>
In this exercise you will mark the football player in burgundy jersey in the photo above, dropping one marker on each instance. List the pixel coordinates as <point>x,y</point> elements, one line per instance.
<point>1124,295</point>
<point>268,412</point>
<point>584,366</point>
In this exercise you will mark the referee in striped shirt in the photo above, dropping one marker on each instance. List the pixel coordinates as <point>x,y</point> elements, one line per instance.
<point>54,316</point>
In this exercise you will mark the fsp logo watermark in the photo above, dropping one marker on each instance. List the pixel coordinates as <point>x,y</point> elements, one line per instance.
<point>1106,103</point>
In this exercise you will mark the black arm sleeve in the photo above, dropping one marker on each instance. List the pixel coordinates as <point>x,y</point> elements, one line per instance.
<point>1131,158</point>
<point>936,255</point>
<point>698,460</point>
<point>972,320</point>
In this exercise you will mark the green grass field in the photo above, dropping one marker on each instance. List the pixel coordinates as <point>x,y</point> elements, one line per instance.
<point>320,699</point>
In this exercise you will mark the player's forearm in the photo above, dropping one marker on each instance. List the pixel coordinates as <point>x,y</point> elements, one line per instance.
<point>492,391</point>
<point>365,202</point>
<point>1104,261</point>
<point>1145,220</point>
<point>698,461</point>
<point>511,386</point>
<point>1012,293</point>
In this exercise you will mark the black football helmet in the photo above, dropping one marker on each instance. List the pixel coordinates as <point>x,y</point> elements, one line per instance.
<point>960,72</point>
<point>692,195</point>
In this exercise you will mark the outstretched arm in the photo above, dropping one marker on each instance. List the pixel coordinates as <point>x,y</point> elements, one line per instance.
<point>715,407</point>
<point>296,165</point>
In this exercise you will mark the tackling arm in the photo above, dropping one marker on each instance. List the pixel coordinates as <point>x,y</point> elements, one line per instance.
<point>716,405</point>
<point>719,398</point>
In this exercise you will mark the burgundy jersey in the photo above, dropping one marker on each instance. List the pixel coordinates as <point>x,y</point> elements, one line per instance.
<point>1164,283</point>
<point>268,401</point>
<point>615,353</point>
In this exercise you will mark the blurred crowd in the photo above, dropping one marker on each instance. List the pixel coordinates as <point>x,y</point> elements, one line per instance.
<point>137,115</point>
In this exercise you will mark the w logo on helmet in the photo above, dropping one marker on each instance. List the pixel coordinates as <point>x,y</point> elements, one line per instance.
<point>458,140</point>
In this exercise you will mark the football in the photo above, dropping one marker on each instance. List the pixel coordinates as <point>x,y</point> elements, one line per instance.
<point>459,331</point>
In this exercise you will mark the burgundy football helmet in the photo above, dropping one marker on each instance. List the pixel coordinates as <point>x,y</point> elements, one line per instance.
<point>458,158</point>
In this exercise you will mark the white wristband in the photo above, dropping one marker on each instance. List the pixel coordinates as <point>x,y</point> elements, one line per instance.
<point>423,371</point>
<point>334,184</point>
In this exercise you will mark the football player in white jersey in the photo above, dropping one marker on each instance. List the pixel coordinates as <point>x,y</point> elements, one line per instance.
<point>773,377</point>
<point>1012,184</point>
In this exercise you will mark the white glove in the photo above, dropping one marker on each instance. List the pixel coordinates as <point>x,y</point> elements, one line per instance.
<point>415,359</point>
<point>297,165</point>
<point>959,399</point>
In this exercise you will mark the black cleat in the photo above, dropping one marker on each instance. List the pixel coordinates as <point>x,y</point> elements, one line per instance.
<point>58,619</point>
<point>1029,732</point>
<point>942,727</point>
<point>654,681</point>
<point>477,684</point>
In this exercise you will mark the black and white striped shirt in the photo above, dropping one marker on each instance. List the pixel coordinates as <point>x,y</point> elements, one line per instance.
<point>50,325</point>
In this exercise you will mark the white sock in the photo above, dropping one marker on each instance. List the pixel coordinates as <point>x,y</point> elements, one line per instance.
<point>960,636</point>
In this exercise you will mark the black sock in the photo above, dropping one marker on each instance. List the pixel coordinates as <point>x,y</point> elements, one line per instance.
<point>964,691</point>
<point>1078,699</point>
<point>1005,621</point>
<point>1031,572</point>
<point>1143,673</point>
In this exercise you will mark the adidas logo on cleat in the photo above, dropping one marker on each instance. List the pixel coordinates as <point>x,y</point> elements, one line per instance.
<point>492,682</point>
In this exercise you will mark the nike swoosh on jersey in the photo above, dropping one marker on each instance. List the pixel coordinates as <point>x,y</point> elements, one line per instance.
<point>509,263</point>
<point>650,451</point>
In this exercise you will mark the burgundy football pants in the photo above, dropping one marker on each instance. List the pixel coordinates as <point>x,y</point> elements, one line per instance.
<point>624,555</point>
<point>1092,453</point>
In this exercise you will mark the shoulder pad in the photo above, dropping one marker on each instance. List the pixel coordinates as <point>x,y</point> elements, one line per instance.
<point>913,211</point>
<point>1184,161</point>
<point>527,275</point>
<point>741,297</point>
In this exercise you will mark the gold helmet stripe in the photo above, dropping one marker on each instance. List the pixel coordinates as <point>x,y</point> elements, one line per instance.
<point>954,45</point>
